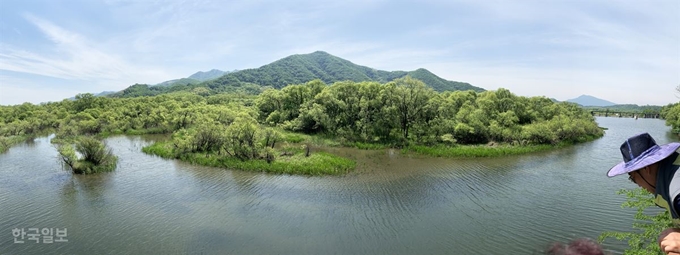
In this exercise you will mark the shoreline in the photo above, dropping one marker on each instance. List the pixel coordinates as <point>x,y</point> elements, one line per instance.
<point>323,163</point>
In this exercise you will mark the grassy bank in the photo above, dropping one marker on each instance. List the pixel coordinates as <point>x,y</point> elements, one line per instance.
<point>472,151</point>
<point>325,140</point>
<point>7,142</point>
<point>318,163</point>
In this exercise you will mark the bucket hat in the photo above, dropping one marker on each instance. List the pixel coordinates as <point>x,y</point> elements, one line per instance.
<point>640,151</point>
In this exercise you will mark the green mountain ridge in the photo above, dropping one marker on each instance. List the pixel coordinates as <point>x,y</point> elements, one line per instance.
<point>301,68</point>
<point>195,78</point>
<point>294,69</point>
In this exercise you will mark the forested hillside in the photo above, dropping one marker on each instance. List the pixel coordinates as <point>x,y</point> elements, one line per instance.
<point>294,69</point>
<point>320,65</point>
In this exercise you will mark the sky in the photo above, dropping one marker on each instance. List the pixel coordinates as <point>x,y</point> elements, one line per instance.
<point>627,52</point>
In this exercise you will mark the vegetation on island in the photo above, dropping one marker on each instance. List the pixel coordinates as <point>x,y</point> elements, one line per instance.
<point>255,120</point>
<point>406,112</point>
<point>93,156</point>
<point>9,141</point>
<point>262,132</point>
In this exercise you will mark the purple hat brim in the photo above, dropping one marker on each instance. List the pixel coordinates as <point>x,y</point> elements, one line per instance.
<point>644,160</point>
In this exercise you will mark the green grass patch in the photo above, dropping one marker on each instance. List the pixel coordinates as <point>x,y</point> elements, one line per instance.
<point>161,149</point>
<point>318,163</point>
<point>293,138</point>
<point>367,146</point>
<point>472,151</point>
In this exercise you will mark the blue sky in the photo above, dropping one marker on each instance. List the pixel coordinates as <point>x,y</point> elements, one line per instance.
<point>621,51</point>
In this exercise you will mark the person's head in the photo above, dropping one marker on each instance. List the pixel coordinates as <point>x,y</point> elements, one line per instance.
<point>645,177</point>
<point>641,156</point>
<point>581,246</point>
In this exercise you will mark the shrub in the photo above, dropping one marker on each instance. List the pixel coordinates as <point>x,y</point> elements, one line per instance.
<point>94,157</point>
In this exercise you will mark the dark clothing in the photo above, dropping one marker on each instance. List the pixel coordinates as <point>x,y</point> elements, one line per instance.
<point>668,186</point>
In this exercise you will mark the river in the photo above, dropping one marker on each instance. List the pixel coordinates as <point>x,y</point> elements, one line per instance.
<point>392,203</point>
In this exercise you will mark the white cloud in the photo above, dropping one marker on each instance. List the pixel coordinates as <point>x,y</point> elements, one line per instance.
<point>17,91</point>
<point>593,47</point>
<point>71,56</point>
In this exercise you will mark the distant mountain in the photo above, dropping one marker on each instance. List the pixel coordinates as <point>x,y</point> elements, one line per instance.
<point>104,93</point>
<point>209,75</point>
<point>297,69</point>
<point>100,94</point>
<point>586,100</point>
<point>196,78</point>
<point>182,81</point>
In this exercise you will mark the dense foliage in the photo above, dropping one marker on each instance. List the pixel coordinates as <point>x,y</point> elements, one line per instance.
<point>228,129</point>
<point>406,111</point>
<point>95,156</point>
<point>671,113</point>
<point>6,142</point>
<point>647,225</point>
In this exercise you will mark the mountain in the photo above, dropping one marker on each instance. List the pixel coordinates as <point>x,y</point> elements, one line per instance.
<point>196,78</point>
<point>104,93</point>
<point>100,94</point>
<point>182,81</point>
<point>297,69</point>
<point>586,100</point>
<point>209,75</point>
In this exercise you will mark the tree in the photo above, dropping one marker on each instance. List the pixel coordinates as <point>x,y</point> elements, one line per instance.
<point>242,136</point>
<point>409,98</point>
<point>83,101</point>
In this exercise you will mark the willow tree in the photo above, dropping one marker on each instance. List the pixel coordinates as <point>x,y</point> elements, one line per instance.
<point>408,98</point>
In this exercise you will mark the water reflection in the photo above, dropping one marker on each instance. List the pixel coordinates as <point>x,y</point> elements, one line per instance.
<point>392,204</point>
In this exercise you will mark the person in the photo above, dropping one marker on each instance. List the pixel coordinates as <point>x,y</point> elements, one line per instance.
<point>654,168</point>
<point>581,246</point>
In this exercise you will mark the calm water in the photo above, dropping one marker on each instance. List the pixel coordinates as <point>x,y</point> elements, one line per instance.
<point>392,204</point>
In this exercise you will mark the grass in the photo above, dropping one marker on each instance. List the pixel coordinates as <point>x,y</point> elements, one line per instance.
<point>161,149</point>
<point>473,151</point>
<point>367,146</point>
<point>318,163</point>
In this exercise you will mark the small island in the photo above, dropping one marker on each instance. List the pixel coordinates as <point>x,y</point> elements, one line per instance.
<point>276,130</point>
<point>280,117</point>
